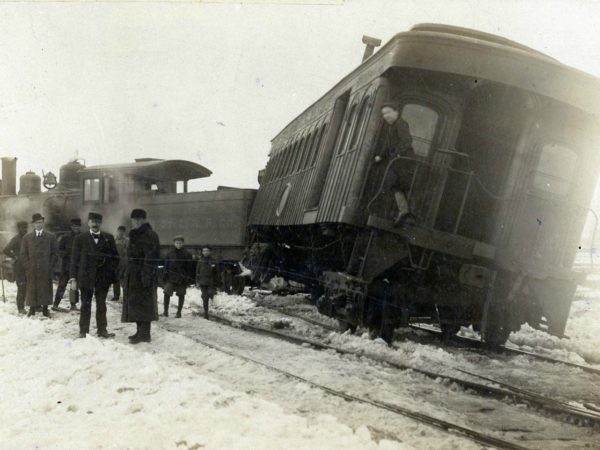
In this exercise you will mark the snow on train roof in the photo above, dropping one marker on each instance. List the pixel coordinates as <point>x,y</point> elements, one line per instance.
<point>160,169</point>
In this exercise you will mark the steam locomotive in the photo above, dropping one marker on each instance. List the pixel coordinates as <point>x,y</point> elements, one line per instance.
<point>217,218</point>
<point>504,169</point>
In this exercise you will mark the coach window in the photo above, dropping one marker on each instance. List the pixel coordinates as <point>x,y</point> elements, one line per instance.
<point>299,152</point>
<point>91,190</point>
<point>347,127</point>
<point>423,123</point>
<point>318,145</point>
<point>307,150</point>
<point>555,169</point>
<point>363,116</point>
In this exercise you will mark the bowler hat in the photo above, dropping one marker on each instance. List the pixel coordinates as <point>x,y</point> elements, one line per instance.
<point>178,238</point>
<point>94,216</point>
<point>138,214</point>
<point>36,217</point>
<point>76,222</point>
<point>22,224</point>
<point>121,228</point>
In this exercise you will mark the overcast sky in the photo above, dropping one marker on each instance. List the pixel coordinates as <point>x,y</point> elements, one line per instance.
<point>213,83</point>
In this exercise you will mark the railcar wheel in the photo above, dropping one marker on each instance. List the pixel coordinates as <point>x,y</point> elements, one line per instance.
<point>449,330</point>
<point>496,334</point>
<point>345,326</point>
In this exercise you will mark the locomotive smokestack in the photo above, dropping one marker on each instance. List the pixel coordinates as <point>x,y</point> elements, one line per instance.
<point>9,176</point>
<point>370,43</point>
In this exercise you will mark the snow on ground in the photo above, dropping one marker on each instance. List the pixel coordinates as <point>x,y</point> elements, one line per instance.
<point>583,331</point>
<point>61,392</point>
<point>419,350</point>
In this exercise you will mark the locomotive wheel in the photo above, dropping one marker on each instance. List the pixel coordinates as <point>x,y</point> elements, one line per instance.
<point>345,326</point>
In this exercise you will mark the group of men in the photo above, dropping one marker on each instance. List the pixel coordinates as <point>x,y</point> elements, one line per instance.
<point>93,261</point>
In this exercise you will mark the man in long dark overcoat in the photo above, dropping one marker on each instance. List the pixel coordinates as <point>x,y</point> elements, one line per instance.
<point>65,246</point>
<point>141,277</point>
<point>94,259</point>
<point>39,255</point>
<point>13,250</point>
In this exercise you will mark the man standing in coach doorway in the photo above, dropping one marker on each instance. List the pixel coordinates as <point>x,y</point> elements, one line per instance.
<point>94,260</point>
<point>39,254</point>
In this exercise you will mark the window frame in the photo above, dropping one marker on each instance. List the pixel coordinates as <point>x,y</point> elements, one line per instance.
<point>570,182</point>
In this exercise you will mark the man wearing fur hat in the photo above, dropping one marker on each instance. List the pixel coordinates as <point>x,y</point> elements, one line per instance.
<point>141,279</point>
<point>39,254</point>
<point>94,259</point>
<point>65,246</point>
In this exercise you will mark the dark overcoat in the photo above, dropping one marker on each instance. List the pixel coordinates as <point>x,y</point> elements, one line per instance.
<point>13,250</point>
<point>179,267</point>
<point>206,272</point>
<point>141,276</point>
<point>65,245</point>
<point>396,140</point>
<point>94,265</point>
<point>39,256</point>
<point>122,244</point>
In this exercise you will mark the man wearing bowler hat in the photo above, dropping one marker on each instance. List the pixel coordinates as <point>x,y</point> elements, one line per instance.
<point>94,259</point>
<point>141,279</point>
<point>39,254</point>
<point>65,246</point>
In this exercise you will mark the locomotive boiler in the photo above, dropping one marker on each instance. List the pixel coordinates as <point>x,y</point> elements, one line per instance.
<point>505,163</point>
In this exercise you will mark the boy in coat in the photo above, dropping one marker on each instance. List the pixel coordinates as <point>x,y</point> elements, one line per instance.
<point>206,277</point>
<point>39,254</point>
<point>93,261</point>
<point>178,274</point>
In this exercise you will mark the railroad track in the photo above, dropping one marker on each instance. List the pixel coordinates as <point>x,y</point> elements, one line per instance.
<point>572,415</point>
<point>555,408</point>
<point>468,342</point>
<point>443,425</point>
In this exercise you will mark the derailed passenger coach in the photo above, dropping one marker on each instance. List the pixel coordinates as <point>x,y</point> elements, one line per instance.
<point>505,164</point>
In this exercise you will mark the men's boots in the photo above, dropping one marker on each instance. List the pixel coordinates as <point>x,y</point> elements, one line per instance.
<point>45,311</point>
<point>167,300</point>
<point>180,307</point>
<point>144,334</point>
<point>31,311</point>
<point>137,332</point>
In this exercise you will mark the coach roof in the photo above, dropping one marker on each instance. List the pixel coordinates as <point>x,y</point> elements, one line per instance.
<point>472,53</point>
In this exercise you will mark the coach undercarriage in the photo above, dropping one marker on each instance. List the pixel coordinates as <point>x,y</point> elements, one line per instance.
<point>384,278</point>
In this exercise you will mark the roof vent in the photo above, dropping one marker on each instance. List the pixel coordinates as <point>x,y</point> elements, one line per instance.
<point>370,43</point>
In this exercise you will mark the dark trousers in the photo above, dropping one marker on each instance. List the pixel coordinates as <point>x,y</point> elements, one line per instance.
<point>63,280</point>
<point>116,290</point>
<point>21,293</point>
<point>208,292</point>
<point>86,309</point>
